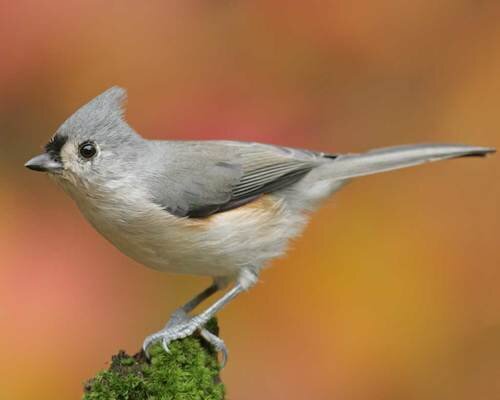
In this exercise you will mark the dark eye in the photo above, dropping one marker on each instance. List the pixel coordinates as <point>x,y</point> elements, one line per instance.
<point>87,150</point>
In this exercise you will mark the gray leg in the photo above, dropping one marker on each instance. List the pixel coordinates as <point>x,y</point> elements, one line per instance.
<point>181,316</point>
<point>246,279</point>
<point>198,299</point>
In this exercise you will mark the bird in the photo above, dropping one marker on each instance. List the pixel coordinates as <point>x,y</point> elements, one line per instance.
<point>213,208</point>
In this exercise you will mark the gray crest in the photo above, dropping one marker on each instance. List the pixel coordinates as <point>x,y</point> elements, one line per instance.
<point>99,116</point>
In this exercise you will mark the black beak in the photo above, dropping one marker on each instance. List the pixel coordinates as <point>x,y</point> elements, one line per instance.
<point>44,163</point>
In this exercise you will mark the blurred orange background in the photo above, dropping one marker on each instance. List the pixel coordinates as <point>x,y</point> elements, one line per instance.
<point>392,292</point>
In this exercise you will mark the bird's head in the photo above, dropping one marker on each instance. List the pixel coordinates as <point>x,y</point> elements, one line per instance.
<point>93,146</point>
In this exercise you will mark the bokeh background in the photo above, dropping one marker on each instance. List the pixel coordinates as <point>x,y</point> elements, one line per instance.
<point>393,292</point>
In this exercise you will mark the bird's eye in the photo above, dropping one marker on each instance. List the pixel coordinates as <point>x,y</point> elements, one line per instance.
<point>87,150</point>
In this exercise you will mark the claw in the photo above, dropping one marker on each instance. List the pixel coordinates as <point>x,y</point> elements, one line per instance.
<point>165,344</point>
<point>218,344</point>
<point>180,326</point>
<point>147,344</point>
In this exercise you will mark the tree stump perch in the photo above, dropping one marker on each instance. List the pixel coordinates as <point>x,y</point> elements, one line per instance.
<point>189,372</point>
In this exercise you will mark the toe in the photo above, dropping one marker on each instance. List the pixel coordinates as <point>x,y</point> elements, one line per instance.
<point>165,342</point>
<point>146,344</point>
<point>179,327</point>
<point>218,344</point>
<point>225,356</point>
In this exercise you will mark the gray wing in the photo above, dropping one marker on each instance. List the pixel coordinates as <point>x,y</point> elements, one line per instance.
<point>203,178</point>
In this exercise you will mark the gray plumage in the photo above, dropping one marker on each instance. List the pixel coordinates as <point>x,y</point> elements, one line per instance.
<point>215,208</point>
<point>215,176</point>
<point>198,179</point>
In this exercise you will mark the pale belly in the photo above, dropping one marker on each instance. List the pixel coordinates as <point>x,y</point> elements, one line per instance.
<point>216,246</point>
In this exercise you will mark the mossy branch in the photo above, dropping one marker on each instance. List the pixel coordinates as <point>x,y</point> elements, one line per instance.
<point>189,371</point>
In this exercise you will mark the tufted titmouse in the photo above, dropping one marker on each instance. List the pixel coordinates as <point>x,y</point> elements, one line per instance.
<point>216,208</point>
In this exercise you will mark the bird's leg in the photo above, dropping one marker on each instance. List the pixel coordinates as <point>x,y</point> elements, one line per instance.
<point>247,278</point>
<point>181,316</point>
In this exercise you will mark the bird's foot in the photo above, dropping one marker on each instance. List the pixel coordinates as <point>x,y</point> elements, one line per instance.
<point>180,326</point>
<point>217,343</point>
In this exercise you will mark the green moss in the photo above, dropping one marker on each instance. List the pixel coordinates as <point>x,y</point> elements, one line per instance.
<point>189,372</point>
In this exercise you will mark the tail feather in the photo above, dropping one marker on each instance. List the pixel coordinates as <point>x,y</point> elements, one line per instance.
<point>391,158</point>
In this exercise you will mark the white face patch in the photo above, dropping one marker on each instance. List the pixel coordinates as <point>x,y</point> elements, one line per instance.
<point>77,169</point>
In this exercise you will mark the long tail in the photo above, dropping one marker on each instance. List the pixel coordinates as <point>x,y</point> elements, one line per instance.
<point>387,159</point>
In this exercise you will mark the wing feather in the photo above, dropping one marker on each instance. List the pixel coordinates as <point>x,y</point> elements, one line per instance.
<point>227,175</point>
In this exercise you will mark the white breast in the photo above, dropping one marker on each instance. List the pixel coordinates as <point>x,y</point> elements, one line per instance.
<point>215,246</point>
